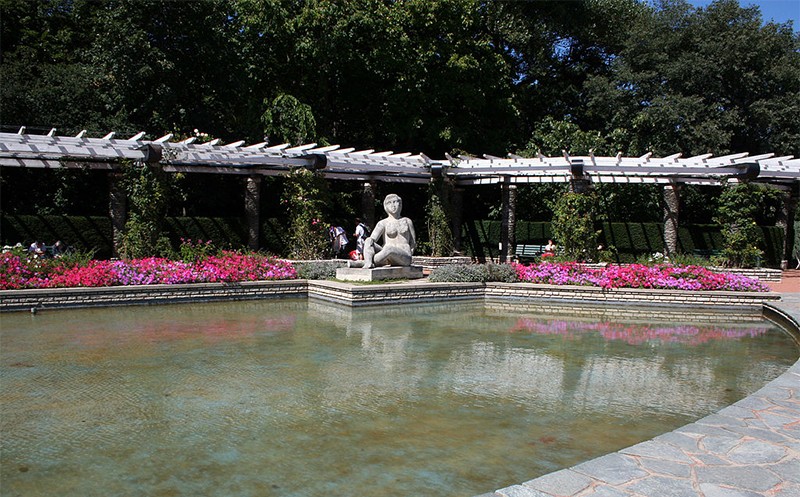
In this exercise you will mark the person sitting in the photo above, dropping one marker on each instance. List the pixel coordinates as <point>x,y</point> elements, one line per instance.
<point>393,240</point>
<point>59,249</point>
<point>36,250</point>
<point>549,249</point>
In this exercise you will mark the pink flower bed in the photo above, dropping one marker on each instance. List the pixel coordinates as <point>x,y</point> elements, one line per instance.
<point>663,276</point>
<point>229,267</point>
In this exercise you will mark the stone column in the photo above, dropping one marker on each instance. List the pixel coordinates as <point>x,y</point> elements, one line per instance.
<point>368,203</point>
<point>252,204</point>
<point>117,209</point>
<point>671,193</point>
<point>785,221</point>
<point>509,222</point>
<point>457,208</point>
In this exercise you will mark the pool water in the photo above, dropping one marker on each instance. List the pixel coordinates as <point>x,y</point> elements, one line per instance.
<point>301,398</point>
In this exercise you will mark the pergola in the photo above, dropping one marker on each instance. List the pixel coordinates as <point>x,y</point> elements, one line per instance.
<point>368,166</point>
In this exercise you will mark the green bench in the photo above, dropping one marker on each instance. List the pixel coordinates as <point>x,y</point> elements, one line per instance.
<point>707,253</point>
<point>528,253</point>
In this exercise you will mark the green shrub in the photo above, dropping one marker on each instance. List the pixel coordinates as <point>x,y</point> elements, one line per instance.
<point>75,258</point>
<point>460,273</point>
<point>318,270</point>
<point>690,260</point>
<point>504,273</point>
<point>474,273</point>
<point>196,251</point>
<point>634,238</point>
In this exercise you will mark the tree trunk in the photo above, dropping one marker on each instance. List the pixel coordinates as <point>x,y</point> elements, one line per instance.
<point>671,193</point>
<point>252,204</point>
<point>117,209</point>
<point>509,223</point>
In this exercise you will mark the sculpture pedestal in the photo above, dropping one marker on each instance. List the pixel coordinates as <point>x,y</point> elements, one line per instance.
<point>379,273</point>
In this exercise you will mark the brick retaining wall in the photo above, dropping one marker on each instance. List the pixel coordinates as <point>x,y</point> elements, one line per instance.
<point>381,294</point>
<point>746,302</point>
<point>579,297</point>
<point>57,298</point>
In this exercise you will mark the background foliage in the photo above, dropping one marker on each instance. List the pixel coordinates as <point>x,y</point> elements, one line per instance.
<point>420,75</point>
<point>430,76</point>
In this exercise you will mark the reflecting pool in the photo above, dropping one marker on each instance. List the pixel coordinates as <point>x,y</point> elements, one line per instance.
<point>301,398</point>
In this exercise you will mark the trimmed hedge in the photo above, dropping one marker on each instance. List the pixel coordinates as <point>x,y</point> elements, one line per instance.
<point>81,232</point>
<point>631,240</point>
<point>480,238</point>
<point>94,233</point>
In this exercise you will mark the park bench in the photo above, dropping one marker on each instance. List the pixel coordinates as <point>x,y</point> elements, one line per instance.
<point>707,253</point>
<point>528,253</point>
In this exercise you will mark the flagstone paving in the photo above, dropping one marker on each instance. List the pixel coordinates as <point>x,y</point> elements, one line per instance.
<point>749,449</point>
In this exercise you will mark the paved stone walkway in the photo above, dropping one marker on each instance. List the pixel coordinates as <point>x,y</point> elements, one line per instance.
<point>749,449</point>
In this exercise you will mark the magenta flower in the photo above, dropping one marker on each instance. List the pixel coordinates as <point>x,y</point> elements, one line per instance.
<point>229,267</point>
<point>662,276</point>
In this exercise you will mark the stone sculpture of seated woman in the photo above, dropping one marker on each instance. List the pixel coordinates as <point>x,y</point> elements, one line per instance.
<point>393,240</point>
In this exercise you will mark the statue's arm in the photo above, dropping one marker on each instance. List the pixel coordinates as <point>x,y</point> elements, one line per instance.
<point>377,233</point>
<point>412,234</point>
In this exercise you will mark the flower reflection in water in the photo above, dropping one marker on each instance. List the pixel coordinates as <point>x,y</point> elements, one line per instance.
<point>636,334</point>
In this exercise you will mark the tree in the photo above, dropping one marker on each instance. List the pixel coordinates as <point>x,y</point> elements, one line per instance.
<point>703,80</point>
<point>287,120</point>
<point>126,65</point>
<point>554,48</point>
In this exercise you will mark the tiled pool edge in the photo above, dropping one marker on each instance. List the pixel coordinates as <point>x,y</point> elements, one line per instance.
<point>751,448</point>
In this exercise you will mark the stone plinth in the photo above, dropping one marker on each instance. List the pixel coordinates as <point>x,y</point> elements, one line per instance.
<point>379,273</point>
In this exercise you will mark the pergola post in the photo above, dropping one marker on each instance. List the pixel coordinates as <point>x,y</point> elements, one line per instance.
<point>671,194</point>
<point>368,203</point>
<point>786,217</point>
<point>509,222</point>
<point>457,200</point>
<point>117,209</point>
<point>252,203</point>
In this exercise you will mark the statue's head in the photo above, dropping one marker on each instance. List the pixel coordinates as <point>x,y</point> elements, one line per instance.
<point>393,203</point>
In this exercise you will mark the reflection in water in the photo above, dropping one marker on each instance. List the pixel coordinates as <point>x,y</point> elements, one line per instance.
<point>297,398</point>
<point>639,334</point>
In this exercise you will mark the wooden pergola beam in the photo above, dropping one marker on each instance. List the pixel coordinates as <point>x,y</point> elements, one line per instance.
<point>50,151</point>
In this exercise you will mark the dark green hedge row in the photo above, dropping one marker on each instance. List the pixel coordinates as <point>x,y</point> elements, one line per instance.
<point>94,233</point>
<point>630,240</point>
<point>225,232</point>
<point>82,232</point>
<point>480,238</point>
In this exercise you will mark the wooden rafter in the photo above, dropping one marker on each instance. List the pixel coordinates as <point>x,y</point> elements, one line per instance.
<point>52,151</point>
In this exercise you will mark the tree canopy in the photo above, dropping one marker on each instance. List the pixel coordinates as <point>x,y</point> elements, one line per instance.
<point>433,76</point>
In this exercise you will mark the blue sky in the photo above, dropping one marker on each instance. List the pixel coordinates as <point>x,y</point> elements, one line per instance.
<point>777,10</point>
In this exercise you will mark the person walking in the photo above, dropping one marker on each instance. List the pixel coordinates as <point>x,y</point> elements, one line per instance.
<point>361,234</point>
<point>338,238</point>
